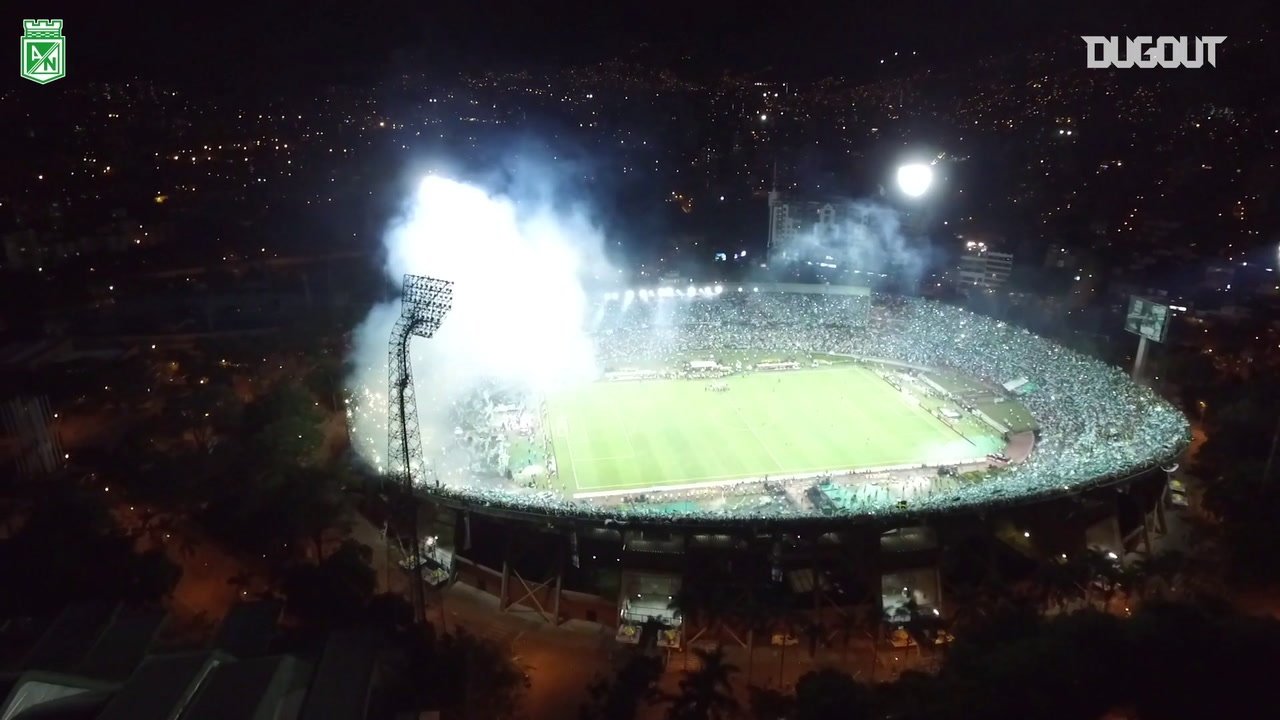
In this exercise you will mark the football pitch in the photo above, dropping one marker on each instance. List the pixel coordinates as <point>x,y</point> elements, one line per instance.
<point>628,436</point>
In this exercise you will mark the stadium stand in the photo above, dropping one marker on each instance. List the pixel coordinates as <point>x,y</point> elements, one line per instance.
<point>1094,425</point>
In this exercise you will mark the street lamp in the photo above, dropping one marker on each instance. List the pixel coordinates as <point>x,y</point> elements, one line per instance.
<point>914,179</point>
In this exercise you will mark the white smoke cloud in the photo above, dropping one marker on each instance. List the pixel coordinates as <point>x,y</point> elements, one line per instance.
<point>865,235</point>
<point>518,259</point>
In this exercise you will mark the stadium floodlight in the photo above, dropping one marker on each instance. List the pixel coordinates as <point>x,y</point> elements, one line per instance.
<point>719,289</point>
<point>739,289</point>
<point>914,179</point>
<point>692,291</point>
<point>666,292</point>
<point>628,296</point>
<point>424,303</point>
<point>755,289</point>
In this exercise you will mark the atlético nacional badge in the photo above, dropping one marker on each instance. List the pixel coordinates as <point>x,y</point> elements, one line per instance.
<point>44,51</point>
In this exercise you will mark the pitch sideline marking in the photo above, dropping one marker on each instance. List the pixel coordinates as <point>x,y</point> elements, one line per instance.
<point>714,481</point>
<point>568,445</point>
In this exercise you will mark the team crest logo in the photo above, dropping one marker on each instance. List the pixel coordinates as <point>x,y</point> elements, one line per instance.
<point>44,51</point>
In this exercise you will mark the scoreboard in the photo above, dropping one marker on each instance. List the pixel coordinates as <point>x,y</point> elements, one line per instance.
<point>1147,318</point>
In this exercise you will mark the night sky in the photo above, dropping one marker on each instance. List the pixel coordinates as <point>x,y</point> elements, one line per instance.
<point>279,44</point>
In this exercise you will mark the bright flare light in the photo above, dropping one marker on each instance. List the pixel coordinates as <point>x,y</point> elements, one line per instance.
<point>517,260</point>
<point>914,179</point>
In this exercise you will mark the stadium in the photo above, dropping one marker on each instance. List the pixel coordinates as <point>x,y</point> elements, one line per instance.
<point>589,448</point>
<point>795,403</point>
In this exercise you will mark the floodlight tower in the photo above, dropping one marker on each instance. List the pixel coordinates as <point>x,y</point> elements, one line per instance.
<point>424,304</point>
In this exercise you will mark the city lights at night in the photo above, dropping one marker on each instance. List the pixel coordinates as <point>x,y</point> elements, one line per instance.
<point>640,362</point>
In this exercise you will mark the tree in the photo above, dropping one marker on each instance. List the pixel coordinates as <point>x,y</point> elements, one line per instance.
<point>69,548</point>
<point>480,679</point>
<point>319,506</point>
<point>770,704</point>
<point>1157,576</point>
<point>282,428</point>
<point>1072,666</point>
<point>208,412</point>
<point>325,382</point>
<point>705,693</point>
<point>1246,508</point>
<point>755,617</point>
<point>1101,573</point>
<point>694,601</point>
<point>267,517</point>
<point>853,623</point>
<point>1060,583</point>
<point>784,617</point>
<point>829,693</point>
<point>415,681</point>
<point>1232,652</point>
<point>921,625</point>
<point>1240,424</point>
<point>634,686</point>
<point>334,593</point>
<point>1015,664</point>
<point>458,674</point>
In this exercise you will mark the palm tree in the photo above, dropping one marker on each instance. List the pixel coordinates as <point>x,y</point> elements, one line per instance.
<point>1101,571</point>
<point>853,623</point>
<point>1165,567</point>
<point>1060,582</point>
<point>705,693</point>
<point>754,616</point>
<point>634,686</point>
<point>690,602</point>
<point>785,618</point>
<point>830,693</point>
<point>702,603</point>
<point>922,625</point>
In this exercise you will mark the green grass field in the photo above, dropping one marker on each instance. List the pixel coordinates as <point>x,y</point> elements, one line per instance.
<point>612,437</point>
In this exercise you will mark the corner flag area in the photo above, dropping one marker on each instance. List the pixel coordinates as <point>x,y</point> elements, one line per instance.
<point>624,437</point>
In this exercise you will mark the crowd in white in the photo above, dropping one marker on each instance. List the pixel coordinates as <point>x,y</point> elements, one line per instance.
<point>1096,426</point>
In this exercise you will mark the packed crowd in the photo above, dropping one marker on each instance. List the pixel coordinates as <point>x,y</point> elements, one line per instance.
<point>779,323</point>
<point>1096,425</point>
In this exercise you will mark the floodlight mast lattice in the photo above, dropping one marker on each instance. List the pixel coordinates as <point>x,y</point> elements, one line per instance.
<point>424,304</point>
